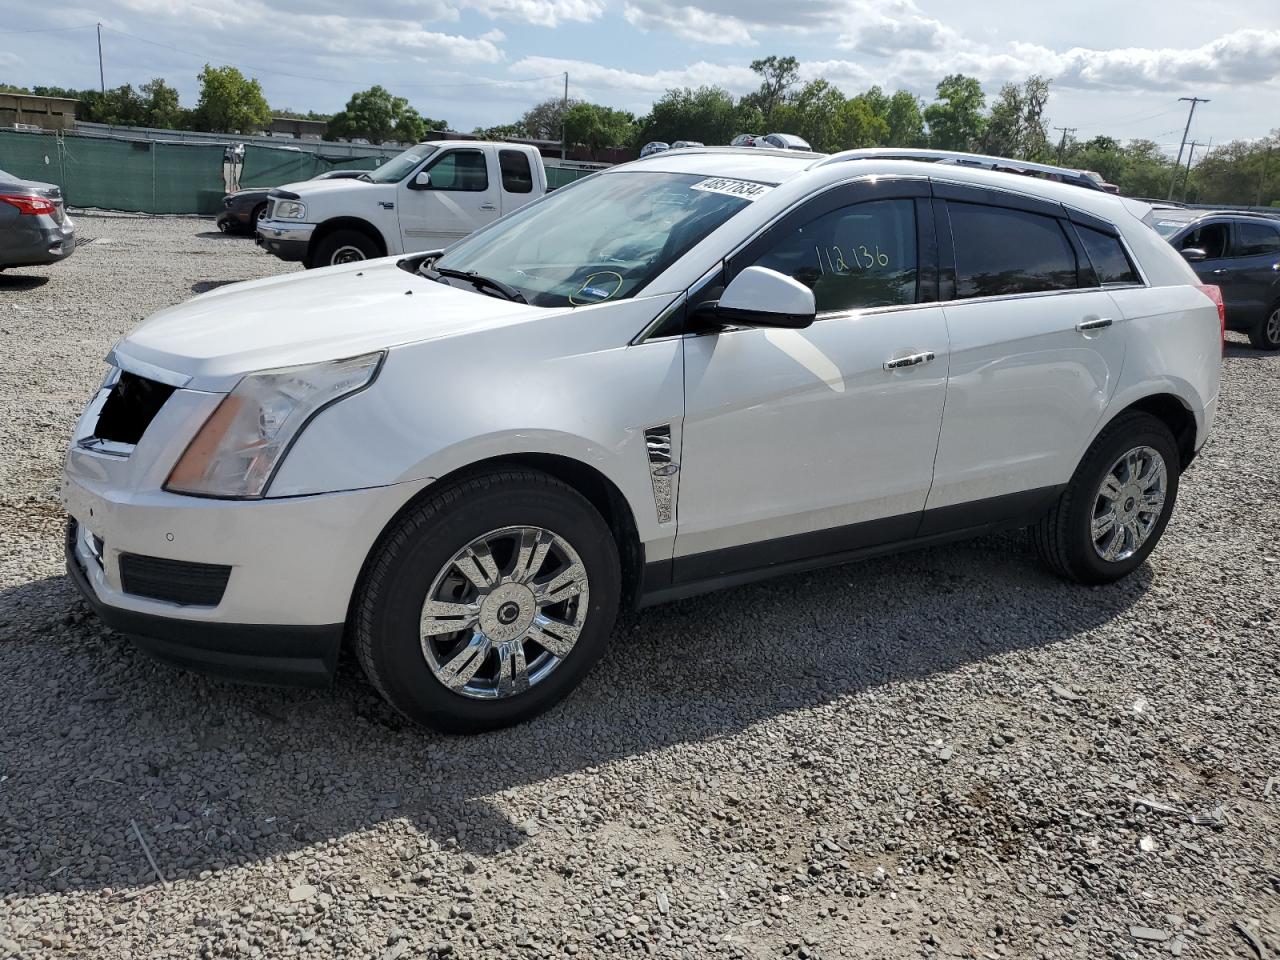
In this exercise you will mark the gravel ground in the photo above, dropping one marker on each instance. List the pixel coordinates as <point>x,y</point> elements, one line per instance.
<point>932,755</point>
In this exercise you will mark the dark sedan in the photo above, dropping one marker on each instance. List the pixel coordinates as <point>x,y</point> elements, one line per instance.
<point>242,210</point>
<point>34,226</point>
<point>1240,253</point>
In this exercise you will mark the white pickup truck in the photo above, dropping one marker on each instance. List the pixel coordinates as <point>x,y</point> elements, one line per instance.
<point>424,199</point>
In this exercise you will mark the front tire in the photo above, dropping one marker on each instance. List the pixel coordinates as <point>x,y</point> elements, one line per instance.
<point>343,246</point>
<point>1115,509</point>
<point>1266,335</point>
<point>488,602</point>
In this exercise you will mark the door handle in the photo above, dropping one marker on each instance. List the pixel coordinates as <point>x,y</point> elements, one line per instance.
<point>914,360</point>
<point>487,206</point>
<point>1220,271</point>
<point>1096,323</point>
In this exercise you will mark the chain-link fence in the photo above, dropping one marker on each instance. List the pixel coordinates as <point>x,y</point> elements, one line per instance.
<point>143,176</point>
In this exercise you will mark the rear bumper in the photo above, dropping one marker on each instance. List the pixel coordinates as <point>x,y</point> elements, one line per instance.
<point>248,652</point>
<point>288,241</point>
<point>36,241</point>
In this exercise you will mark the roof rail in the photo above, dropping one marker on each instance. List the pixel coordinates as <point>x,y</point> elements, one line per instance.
<point>1065,174</point>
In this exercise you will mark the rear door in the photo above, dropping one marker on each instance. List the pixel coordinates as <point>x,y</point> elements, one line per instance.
<point>516,178</point>
<point>1036,351</point>
<point>461,198</point>
<point>1255,269</point>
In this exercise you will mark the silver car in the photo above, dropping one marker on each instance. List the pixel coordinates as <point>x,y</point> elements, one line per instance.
<point>34,227</point>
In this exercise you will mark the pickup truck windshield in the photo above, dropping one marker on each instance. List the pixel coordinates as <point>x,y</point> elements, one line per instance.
<point>602,238</point>
<point>399,166</point>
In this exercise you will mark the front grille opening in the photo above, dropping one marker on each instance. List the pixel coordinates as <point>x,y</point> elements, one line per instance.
<point>174,581</point>
<point>130,407</point>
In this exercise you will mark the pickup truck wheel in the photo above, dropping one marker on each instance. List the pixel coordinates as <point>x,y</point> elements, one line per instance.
<point>1266,335</point>
<point>1114,510</point>
<point>488,602</point>
<point>343,246</point>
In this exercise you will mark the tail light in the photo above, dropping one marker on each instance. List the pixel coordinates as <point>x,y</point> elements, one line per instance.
<point>29,205</point>
<point>1214,293</point>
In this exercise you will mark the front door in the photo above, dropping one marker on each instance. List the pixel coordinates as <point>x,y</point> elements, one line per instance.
<point>1255,270</point>
<point>1036,351</point>
<point>801,443</point>
<point>461,198</point>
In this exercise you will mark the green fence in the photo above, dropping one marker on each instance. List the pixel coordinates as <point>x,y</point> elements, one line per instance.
<point>562,176</point>
<point>273,166</point>
<point>144,176</point>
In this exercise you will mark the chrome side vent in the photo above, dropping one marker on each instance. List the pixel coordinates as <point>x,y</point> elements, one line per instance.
<point>662,470</point>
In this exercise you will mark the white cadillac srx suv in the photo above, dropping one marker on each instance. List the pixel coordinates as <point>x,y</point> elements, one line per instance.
<point>684,373</point>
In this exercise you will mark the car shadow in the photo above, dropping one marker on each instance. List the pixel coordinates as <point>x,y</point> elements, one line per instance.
<point>224,235</point>
<point>204,286</point>
<point>21,281</point>
<point>1245,351</point>
<point>219,774</point>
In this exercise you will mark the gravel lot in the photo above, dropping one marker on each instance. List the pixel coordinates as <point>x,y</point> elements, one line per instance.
<point>931,755</point>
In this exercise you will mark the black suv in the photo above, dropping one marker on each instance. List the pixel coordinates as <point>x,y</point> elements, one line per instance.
<point>1238,251</point>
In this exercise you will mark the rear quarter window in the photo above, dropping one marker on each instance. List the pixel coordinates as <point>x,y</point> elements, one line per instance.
<point>1000,251</point>
<point>1255,239</point>
<point>1107,255</point>
<point>517,175</point>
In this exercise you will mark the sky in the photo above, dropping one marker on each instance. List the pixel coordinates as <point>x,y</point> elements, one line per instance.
<point>1118,69</point>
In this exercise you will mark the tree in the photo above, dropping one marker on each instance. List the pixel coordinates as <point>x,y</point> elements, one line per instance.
<point>861,125</point>
<point>906,122</point>
<point>502,131</point>
<point>814,113</point>
<point>230,102</point>
<point>543,120</point>
<point>707,114</point>
<point>1015,127</point>
<point>778,76</point>
<point>955,120</point>
<point>377,115</point>
<point>161,106</point>
<point>1241,172</point>
<point>597,128</point>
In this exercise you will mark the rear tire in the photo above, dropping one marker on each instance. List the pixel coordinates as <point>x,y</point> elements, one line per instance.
<point>1266,334</point>
<point>1105,524</point>
<point>343,246</point>
<point>435,570</point>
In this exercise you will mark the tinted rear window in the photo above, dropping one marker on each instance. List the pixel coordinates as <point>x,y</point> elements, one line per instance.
<point>1253,239</point>
<point>1001,252</point>
<point>1107,256</point>
<point>517,177</point>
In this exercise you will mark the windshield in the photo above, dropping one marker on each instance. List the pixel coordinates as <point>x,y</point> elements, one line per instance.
<point>602,238</point>
<point>401,165</point>
<point>1168,222</point>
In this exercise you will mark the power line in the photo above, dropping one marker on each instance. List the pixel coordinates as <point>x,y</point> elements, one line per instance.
<point>83,26</point>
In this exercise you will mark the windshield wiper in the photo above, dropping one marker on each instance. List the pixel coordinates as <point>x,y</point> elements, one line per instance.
<point>485,283</point>
<point>365,177</point>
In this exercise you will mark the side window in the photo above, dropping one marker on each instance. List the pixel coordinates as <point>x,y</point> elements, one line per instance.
<point>517,177</point>
<point>859,256</point>
<point>1001,251</point>
<point>460,170</point>
<point>1211,238</point>
<point>1256,239</point>
<point>1107,256</point>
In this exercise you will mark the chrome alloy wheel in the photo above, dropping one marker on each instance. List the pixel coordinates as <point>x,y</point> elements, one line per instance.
<point>504,612</point>
<point>1273,327</point>
<point>1129,503</point>
<point>346,254</point>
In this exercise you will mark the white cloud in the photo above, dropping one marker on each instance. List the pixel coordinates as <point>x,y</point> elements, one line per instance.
<point>360,38</point>
<point>645,86</point>
<point>886,28</point>
<point>689,23</point>
<point>542,13</point>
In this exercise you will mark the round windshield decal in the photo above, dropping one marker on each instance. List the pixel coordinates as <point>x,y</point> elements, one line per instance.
<point>597,288</point>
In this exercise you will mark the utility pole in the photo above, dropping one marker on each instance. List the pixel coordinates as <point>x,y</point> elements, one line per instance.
<point>1186,177</point>
<point>564,109</point>
<point>1177,164</point>
<point>1262,177</point>
<point>102,77</point>
<point>1063,144</point>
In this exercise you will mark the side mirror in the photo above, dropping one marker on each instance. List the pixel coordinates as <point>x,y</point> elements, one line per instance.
<point>760,297</point>
<point>1194,254</point>
<point>422,181</point>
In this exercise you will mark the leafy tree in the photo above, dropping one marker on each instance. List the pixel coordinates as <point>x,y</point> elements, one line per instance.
<point>861,125</point>
<point>160,105</point>
<point>299,115</point>
<point>377,115</point>
<point>906,122</point>
<point>778,75</point>
<point>955,119</point>
<point>544,120</point>
<point>814,113</point>
<point>1015,126</point>
<point>597,128</point>
<point>230,102</point>
<point>708,114</point>
<point>1242,171</point>
<point>501,132</point>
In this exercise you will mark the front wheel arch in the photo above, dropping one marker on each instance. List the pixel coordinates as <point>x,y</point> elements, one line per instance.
<point>335,224</point>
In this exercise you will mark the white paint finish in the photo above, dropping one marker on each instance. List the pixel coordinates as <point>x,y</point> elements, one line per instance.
<point>434,218</point>
<point>566,384</point>
<point>791,431</point>
<point>293,561</point>
<point>1025,386</point>
<point>767,291</point>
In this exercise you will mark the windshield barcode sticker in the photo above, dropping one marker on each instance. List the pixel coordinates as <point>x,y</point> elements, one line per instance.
<point>734,188</point>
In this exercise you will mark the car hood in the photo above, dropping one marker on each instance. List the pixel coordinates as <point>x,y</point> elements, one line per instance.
<point>317,188</point>
<point>211,341</point>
